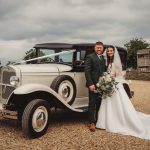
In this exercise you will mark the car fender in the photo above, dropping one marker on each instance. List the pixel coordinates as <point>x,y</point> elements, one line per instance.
<point>33,87</point>
<point>30,88</point>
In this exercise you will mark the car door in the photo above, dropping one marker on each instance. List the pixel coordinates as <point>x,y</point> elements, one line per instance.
<point>79,78</point>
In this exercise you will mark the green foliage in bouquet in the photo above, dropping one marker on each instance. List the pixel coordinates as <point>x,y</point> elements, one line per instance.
<point>106,85</point>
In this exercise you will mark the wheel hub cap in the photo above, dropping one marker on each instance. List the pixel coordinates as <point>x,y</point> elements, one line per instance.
<point>40,118</point>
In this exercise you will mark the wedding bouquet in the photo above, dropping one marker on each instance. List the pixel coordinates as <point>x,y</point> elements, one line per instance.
<point>106,85</point>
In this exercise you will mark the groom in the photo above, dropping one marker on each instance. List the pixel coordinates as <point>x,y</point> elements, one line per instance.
<point>94,67</point>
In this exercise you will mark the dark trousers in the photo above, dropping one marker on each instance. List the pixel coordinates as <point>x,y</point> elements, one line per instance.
<point>93,107</point>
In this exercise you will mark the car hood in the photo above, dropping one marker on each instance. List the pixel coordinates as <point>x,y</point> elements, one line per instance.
<point>42,68</point>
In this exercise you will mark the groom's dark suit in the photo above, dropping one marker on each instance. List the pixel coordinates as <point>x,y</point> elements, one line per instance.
<point>94,67</point>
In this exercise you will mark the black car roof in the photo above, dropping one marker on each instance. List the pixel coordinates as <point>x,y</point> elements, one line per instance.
<point>70,46</point>
<point>54,45</point>
<point>91,45</point>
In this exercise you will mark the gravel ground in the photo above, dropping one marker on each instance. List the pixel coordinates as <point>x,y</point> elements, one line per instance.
<point>69,130</point>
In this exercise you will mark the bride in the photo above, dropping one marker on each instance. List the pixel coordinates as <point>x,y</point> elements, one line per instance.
<point>117,113</point>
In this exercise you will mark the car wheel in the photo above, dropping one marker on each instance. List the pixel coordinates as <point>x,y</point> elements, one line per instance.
<point>35,119</point>
<point>65,86</point>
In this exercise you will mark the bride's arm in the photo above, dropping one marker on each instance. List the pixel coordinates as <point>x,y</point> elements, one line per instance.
<point>118,72</point>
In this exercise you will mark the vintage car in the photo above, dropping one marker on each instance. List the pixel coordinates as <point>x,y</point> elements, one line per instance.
<point>53,78</point>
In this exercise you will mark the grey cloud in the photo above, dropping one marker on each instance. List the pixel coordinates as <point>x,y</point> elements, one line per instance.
<point>9,8</point>
<point>37,21</point>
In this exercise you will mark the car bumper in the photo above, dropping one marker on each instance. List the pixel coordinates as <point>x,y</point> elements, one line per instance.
<point>4,113</point>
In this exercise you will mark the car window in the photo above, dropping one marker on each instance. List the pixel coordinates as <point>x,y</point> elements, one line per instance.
<point>44,52</point>
<point>80,55</point>
<point>79,63</point>
<point>67,58</point>
<point>56,56</point>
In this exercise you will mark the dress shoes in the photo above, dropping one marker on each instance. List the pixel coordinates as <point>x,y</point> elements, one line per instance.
<point>91,127</point>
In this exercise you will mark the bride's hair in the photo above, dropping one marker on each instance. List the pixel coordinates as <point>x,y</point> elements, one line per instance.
<point>110,59</point>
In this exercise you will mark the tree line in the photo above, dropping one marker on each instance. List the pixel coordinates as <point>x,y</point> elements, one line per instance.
<point>132,47</point>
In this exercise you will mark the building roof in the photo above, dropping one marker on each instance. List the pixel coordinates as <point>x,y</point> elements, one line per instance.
<point>143,51</point>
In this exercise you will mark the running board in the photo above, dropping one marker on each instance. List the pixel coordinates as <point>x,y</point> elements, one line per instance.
<point>83,109</point>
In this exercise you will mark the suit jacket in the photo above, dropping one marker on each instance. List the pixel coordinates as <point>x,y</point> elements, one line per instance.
<point>94,68</point>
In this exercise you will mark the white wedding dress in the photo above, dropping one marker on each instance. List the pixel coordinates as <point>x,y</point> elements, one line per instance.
<point>118,115</point>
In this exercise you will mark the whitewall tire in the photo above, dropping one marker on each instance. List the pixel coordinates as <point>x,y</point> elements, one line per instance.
<point>65,86</point>
<point>35,119</point>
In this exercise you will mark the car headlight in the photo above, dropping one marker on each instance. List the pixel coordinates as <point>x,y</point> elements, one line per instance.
<point>14,80</point>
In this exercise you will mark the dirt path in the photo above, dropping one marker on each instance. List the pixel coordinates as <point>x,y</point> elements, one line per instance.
<point>141,97</point>
<point>68,131</point>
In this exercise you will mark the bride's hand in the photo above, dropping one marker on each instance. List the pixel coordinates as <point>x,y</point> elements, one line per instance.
<point>114,74</point>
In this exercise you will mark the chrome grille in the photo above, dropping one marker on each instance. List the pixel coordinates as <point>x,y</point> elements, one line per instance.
<point>6,90</point>
<point>6,76</point>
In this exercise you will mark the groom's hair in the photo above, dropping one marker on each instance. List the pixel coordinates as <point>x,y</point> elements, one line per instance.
<point>99,43</point>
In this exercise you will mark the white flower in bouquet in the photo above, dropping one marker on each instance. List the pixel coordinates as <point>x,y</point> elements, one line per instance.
<point>97,85</point>
<point>105,73</point>
<point>108,78</point>
<point>103,87</point>
<point>102,78</point>
<point>106,85</point>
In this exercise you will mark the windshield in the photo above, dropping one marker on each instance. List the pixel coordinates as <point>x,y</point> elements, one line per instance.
<point>55,56</point>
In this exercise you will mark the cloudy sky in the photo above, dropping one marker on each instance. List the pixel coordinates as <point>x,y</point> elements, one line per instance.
<point>23,23</point>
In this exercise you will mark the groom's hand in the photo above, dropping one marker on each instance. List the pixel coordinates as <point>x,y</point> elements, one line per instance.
<point>92,88</point>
